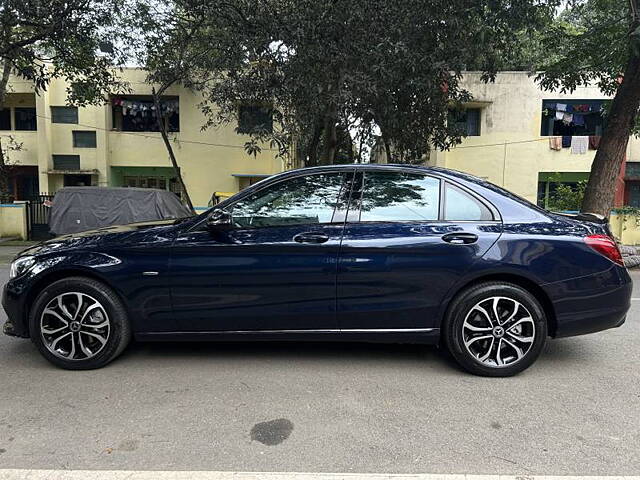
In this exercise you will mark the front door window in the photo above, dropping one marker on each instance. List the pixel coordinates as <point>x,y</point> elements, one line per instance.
<point>308,200</point>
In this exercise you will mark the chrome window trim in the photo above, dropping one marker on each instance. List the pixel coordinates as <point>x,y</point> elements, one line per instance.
<point>326,330</point>
<point>347,172</point>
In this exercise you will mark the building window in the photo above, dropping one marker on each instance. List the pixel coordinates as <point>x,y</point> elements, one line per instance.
<point>78,181</point>
<point>466,121</point>
<point>26,118</point>
<point>64,114</point>
<point>551,198</point>
<point>255,119</point>
<point>82,139</point>
<point>632,171</point>
<point>632,194</point>
<point>66,162</point>
<point>572,117</point>
<point>5,119</point>
<point>138,114</point>
<point>145,182</point>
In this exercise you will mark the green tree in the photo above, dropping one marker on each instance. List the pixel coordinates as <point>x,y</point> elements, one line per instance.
<point>368,67</point>
<point>598,41</point>
<point>45,39</point>
<point>170,46</point>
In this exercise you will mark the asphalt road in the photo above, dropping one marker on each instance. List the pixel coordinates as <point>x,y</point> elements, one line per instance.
<point>326,408</point>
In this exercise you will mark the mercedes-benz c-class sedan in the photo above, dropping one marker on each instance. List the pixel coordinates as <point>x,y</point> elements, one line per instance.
<point>370,253</point>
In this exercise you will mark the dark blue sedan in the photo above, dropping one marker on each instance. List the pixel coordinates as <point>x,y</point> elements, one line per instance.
<point>341,253</point>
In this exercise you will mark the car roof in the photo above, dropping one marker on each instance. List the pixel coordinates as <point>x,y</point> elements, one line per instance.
<point>390,166</point>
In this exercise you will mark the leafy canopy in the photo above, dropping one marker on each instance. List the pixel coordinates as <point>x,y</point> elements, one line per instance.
<point>589,42</point>
<point>367,67</point>
<point>45,39</point>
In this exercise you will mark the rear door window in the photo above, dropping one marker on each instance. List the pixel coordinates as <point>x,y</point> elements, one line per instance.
<point>399,197</point>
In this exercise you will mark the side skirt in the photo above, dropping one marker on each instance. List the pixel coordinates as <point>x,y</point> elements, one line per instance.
<point>405,335</point>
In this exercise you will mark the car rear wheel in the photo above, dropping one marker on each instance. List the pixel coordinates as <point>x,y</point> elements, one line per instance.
<point>79,323</point>
<point>495,329</point>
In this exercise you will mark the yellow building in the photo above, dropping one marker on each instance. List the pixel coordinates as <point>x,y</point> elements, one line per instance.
<point>509,125</point>
<point>118,144</point>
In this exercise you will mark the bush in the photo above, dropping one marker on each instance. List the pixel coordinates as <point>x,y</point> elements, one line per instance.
<point>567,197</point>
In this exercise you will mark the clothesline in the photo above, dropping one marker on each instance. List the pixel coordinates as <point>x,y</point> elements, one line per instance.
<point>157,137</point>
<point>196,142</point>
<point>579,144</point>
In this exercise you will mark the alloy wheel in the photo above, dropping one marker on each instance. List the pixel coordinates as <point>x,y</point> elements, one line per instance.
<point>498,331</point>
<point>74,326</point>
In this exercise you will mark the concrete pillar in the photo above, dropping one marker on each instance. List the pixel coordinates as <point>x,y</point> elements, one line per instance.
<point>103,126</point>
<point>43,111</point>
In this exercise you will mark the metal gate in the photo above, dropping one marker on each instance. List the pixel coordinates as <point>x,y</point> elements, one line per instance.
<point>38,216</point>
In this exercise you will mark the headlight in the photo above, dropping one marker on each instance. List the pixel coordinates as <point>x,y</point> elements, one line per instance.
<point>21,265</point>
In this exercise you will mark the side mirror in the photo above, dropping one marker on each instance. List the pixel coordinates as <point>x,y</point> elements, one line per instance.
<point>219,220</point>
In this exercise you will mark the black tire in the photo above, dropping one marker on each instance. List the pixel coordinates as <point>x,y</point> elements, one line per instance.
<point>119,329</point>
<point>478,295</point>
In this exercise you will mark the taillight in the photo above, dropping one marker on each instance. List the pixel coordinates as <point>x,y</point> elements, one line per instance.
<point>606,246</point>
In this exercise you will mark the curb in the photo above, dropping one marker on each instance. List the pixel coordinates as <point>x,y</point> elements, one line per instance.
<point>184,475</point>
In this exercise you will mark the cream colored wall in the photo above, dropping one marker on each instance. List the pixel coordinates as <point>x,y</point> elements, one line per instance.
<point>207,158</point>
<point>511,113</point>
<point>60,136</point>
<point>21,95</point>
<point>206,168</point>
<point>13,220</point>
<point>626,228</point>
<point>28,154</point>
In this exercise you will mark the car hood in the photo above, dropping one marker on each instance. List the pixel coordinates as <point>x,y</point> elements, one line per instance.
<point>121,235</point>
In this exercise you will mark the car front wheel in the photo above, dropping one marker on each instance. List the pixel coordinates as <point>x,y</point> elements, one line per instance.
<point>495,329</point>
<point>79,323</point>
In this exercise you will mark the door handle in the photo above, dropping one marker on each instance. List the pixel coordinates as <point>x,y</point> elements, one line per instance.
<point>311,237</point>
<point>460,238</point>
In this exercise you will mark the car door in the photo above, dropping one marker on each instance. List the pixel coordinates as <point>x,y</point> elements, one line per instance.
<point>408,239</point>
<point>274,270</point>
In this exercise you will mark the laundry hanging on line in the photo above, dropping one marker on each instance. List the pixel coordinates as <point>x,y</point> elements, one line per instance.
<point>555,143</point>
<point>133,107</point>
<point>579,144</point>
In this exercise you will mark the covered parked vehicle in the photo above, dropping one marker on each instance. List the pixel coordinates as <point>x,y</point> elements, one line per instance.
<point>76,209</point>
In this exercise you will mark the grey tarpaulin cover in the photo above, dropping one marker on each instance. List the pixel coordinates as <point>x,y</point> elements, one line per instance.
<point>76,209</point>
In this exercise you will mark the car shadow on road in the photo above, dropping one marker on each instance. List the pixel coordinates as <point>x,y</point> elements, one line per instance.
<point>287,351</point>
<point>569,353</point>
<point>566,351</point>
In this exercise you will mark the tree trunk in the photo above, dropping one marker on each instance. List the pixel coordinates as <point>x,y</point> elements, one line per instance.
<point>387,149</point>
<point>167,143</point>
<point>312,150</point>
<point>330,131</point>
<point>352,152</point>
<point>330,140</point>
<point>4,81</point>
<point>607,163</point>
